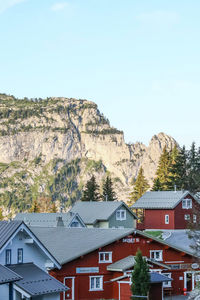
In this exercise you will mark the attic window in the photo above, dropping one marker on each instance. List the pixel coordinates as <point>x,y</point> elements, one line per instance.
<point>186,203</point>
<point>120,215</point>
<point>156,255</point>
<point>105,257</point>
<point>75,224</point>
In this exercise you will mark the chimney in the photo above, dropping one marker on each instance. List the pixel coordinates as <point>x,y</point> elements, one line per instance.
<point>175,188</point>
<point>59,222</point>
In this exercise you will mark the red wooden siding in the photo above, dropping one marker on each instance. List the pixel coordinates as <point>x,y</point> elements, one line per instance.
<point>120,249</point>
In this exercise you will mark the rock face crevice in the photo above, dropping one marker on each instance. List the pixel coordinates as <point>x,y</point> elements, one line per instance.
<point>38,137</point>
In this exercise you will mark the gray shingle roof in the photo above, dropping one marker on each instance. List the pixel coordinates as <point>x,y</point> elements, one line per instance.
<point>7,228</point>
<point>122,264</point>
<point>92,211</point>
<point>157,277</point>
<point>67,244</point>
<point>36,281</point>
<point>160,199</point>
<point>6,275</point>
<point>128,263</point>
<point>47,219</point>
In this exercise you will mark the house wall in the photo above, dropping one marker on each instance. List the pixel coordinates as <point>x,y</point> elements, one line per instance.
<point>4,291</point>
<point>120,249</point>
<point>155,219</point>
<point>128,223</point>
<point>54,296</point>
<point>31,252</point>
<point>180,222</point>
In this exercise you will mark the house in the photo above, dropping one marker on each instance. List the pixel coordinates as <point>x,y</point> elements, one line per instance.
<point>105,214</point>
<point>95,260</point>
<point>51,219</point>
<point>167,209</point>
<point>21,253</point>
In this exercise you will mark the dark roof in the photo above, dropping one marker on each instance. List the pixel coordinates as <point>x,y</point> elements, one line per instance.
<point>67,244</point>
<point>160,199</point>
<point>48,219</point>
<point>7,229</point>
<point>93,211</point>
<point>6,275</point>
<point>36,281</point>
<point>157,277</point>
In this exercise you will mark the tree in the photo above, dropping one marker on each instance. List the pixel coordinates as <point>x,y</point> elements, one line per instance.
<point>53,208</point>
<point>162,173</point>
<point>1,214</point>
<point>108,193</point>
<point>139,187</point>
<point>35,207</point>
<point>140,277</point>
<point>91,192</point>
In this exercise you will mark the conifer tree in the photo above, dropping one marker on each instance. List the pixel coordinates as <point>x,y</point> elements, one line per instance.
<point>35,207</point>
<point>193,169</point>
<point>91,192</point>
<point>108,192</point>
<point>157,185</point>
<point>139,187</point>
<point>1,214</point>
<point>162,173</point>
<point>53,208</point>
<point>140,277</point>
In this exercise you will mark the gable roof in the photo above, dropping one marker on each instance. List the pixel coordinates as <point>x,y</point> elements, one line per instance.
<point>67,244</point>
<point>6,275</point>
<point>48,219</point>
<point>35,281</point>
<point>93,211</point>
<point>64,243</point>
<point>160,199</point>
<point>8,230</point>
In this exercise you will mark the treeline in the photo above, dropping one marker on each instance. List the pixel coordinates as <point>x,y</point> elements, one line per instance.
<point>178,169</point>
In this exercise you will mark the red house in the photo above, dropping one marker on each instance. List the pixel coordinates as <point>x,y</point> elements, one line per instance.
<point>97,263</point>
<point>167,210</point>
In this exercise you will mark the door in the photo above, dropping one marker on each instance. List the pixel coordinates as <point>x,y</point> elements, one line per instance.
<point>70,283</point>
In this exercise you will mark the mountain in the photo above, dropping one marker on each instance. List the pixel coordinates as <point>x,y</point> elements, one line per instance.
<point>50,147</point>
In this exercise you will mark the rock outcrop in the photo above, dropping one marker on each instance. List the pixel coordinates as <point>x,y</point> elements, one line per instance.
<point>52,146</point>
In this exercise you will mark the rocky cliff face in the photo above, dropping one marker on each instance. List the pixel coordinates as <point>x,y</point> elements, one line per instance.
<point>52,146</point>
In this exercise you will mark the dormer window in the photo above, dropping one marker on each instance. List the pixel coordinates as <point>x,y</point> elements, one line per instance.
<point>121,215</point>
<point>187,203</point>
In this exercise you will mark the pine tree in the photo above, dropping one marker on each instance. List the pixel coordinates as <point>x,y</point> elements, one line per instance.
<point>139,187</point>
<point>53,208</point>
<point>108,192</point>
<point>1,214</point>
<point>157,185</point>
<point>91,192</point>
<point>193,169</point>
<point>140,277</point>
<point>162,172</point>
<point>35,207</point>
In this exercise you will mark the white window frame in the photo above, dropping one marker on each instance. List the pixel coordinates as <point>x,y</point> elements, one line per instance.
<point>119,217</point>
<point>187,203</point>
<point>187,217</point>
<point>152,254</point>
<point>95,288</point>
<point>194,218</point>
<point>166,219</point>
<point>167,284</point>
<point>105,261</point>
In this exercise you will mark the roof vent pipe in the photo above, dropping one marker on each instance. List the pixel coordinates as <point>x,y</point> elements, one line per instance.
<point>175,188</point>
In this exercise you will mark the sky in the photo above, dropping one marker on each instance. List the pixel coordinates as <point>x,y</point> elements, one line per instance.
<point>139,60</point>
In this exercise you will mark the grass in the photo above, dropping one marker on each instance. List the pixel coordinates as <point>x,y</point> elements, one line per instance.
<point>156,234</point>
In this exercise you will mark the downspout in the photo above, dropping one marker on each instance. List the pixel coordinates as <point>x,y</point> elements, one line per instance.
<point>10,291</point>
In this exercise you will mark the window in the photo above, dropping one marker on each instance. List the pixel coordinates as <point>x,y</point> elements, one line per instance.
<point>8,257</point>
<point>20,256</point>
<point>166,219</point>
<point>75,224</point>
<point>105,257</point>
<point>156,255</point>
<point>187,203</point>
<point>187,217</point>
<point>167,283</point>
<point>120,215</point>
<point>194,218</point>
<point>96,283</point>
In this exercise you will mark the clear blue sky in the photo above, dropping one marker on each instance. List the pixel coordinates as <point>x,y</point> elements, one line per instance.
<point>139,60</point>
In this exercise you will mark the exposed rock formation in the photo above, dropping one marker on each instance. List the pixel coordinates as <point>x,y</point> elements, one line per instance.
<point>52,146</point>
